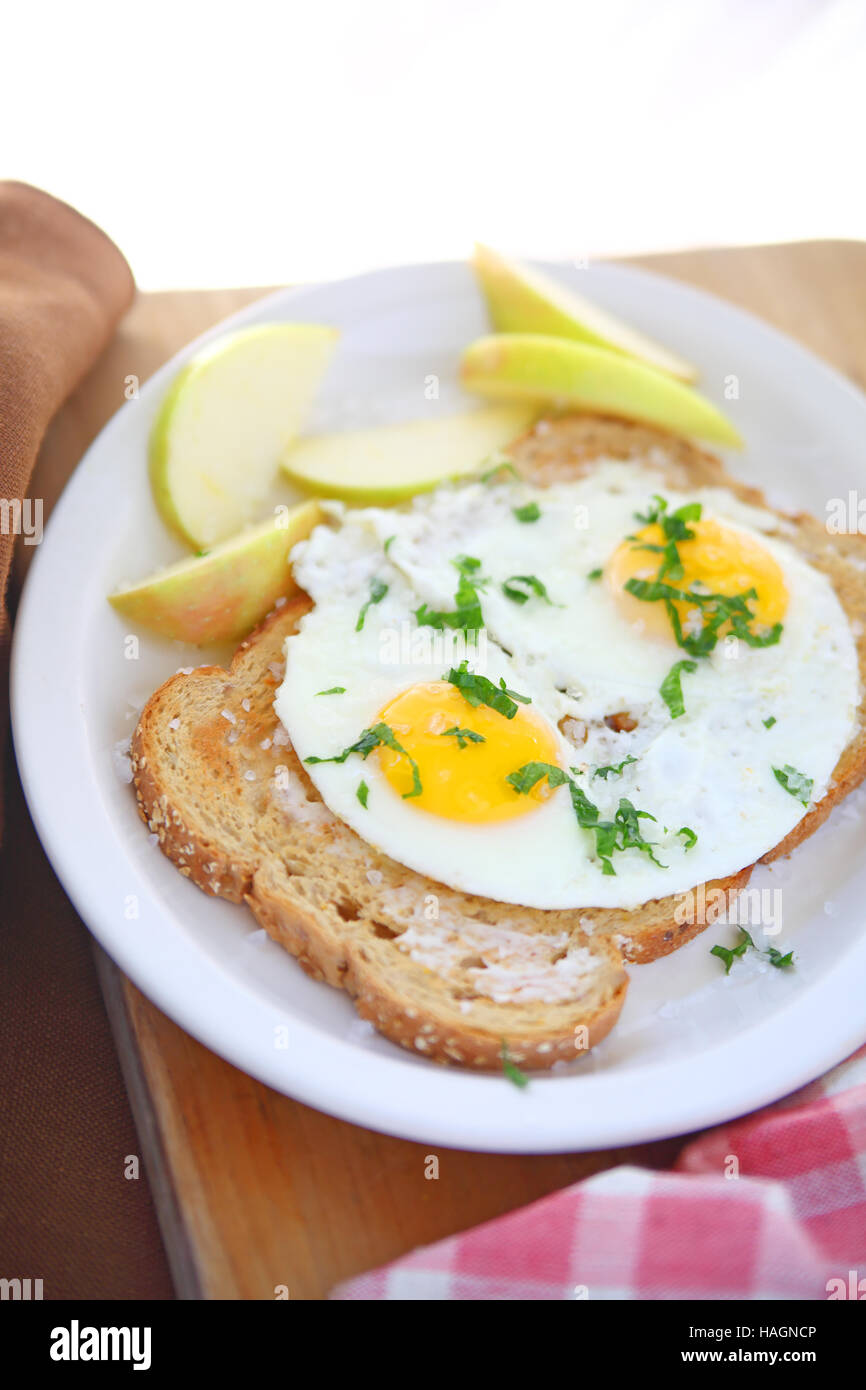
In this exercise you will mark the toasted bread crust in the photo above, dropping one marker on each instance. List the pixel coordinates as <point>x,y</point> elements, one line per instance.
<point>338,927</point>
<point>331,900</point>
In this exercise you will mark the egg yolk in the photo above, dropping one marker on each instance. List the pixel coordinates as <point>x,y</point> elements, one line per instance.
<point>465,783</point>
<point>723,560</point>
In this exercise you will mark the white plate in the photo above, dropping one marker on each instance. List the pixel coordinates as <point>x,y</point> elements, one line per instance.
<point>693,1046</point>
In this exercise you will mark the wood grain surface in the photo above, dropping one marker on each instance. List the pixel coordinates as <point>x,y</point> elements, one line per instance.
<point>255,1191</point>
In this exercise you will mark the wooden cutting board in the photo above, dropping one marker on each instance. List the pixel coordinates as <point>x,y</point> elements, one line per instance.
<point>253,1190</point>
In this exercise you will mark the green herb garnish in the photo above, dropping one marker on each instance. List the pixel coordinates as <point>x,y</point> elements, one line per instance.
<point>595,574</point>
<point>673,524</point>
<point>671,689</point>
<point>622,833</point>
<point>532,585</point>
<point>525,778</point>
<point>674,529</point>
<point>689,836</point>
<point>378,590</point>
<point>514,1074</point>
<point>504,465</point>
<point>776,958</point>
<point>370,739</point>
<point>715,609</point>
<point>467,614</point>
<point>613,769</point>
<point>768,723</point>
<point>364,745</point>
<point>463,736</point>
<point>729,954</point>
<point>334,690</point>
<point>362,793</point>
<point>478,690</point>
<point>627,819</point>
<point>797,783</point>
<point>531,512</point>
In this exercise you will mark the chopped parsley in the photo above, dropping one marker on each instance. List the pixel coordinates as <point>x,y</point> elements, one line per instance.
<point>478,690</point>
<point>529,585</point>
<point>622,833</point>
<point>627,820</point>
<point>531,512</point>
<point>714,610</point>
<point>689,837</point>
<point>379,734</point>
<point>362,793</point>
<point>728,954</point>
<point>613,769</point>
<point>776,958</point>
<point>675,528</point>
<point>334,690</point>
<point>768,723</point>
<point>595,574</point>
<point>378,590</point>
<point>364,745</point>
<point>671,689</point>
<point>503,465</point>
<point>797,783</point>
<point>387,546</point>
<point>463,736</point>
<point>525,778</point>
<point>467,614</point>
<point>515,1075</point>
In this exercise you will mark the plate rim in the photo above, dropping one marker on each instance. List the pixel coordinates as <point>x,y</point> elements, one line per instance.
<point>526,1121</point>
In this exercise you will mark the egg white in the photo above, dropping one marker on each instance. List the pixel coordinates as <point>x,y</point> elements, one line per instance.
<point>577,656</point>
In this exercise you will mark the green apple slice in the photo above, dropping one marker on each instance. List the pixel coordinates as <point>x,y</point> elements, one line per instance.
<point>393,462</point>
<point>534,367</point>
<point>229,414</point>
<point>221,596</point>
<point>522,299</point>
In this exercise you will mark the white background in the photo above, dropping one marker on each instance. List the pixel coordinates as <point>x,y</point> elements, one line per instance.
<point>254,143</point>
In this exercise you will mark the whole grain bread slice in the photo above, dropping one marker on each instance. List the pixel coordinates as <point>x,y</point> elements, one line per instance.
<point>234,809</point>
<point>448,975</point>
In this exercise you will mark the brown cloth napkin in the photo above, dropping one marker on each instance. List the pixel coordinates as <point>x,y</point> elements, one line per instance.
<point>63,287</point>
<point>68,1214</point>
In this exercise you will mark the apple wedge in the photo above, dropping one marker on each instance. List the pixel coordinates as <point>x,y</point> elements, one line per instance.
<point>522,299</point>
<point>229,414</point>
<point>220,596</point>
<point>535,367</point>
<point>393,462</point>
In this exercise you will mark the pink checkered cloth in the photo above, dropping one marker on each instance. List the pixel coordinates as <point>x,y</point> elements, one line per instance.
<point>792,1221</point>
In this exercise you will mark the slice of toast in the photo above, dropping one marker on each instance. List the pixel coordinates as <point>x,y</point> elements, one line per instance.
<point>448,975</point>
<point>234,809</point>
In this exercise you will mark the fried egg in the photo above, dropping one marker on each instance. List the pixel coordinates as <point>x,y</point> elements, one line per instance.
<point>590,745</point>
